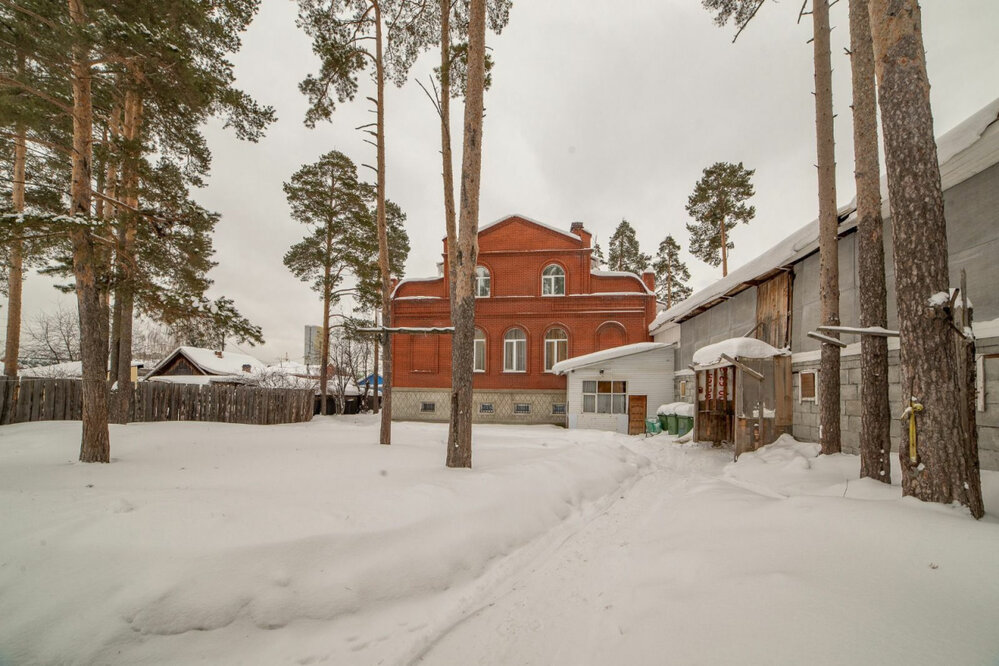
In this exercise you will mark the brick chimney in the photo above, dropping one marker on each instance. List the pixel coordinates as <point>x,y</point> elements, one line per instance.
<point>584,235</point>
<point>246,367</point>
<point>218,354</point>
<point>649,278</point>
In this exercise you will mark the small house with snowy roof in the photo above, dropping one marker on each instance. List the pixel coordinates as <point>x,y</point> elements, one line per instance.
<point>193,365</point>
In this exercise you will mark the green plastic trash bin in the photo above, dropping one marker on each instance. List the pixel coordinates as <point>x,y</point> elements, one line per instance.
<point>652,427</point>
<point>683,424</point>
<point>663,422</point>
<point>671,423</point>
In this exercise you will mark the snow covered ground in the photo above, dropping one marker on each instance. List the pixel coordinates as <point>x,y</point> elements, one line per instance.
<point>309,543</point>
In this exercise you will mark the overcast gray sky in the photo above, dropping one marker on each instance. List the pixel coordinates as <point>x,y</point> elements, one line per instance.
<point>599,110</point>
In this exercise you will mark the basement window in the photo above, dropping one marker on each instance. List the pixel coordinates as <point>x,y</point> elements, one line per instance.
<point>486,408</point>
<point>558,409</point>
<point>428,407</point>
<point>522,408</point>
<point>807,386</point>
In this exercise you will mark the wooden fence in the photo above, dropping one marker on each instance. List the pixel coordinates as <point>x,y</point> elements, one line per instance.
<point>61,400</point>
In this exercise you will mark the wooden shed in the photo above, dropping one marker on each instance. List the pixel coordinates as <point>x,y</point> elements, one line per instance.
<point>743,393</point>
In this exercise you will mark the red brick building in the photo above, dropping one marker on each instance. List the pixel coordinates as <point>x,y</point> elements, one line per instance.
<point>539,301</point>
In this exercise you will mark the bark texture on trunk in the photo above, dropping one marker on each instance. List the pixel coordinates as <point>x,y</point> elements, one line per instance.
<point>829,382</point>
<point>946,465</point>
<point>125,284</point>
<point>459,450</point>
<point>875,430</point>
<point>447,161</point>
<point>324,354</point>
<point>15,274</point>
<point>724,249</point>
<point>95,445</point>
<point>385,433</point>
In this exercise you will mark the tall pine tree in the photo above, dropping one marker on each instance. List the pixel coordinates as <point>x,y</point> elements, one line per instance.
<point>671,273</point>
<point>624,253</point>
<point>717,204</point>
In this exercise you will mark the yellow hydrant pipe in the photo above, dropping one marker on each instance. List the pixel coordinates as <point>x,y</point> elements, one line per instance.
<point>913,408</point>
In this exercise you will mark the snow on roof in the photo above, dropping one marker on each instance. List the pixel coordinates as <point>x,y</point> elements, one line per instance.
<point>645,287</point>
<point>532,221</point>
<point>956,166</point>
<point>214,363</point>
<point>65,370</point>
<point>414,279</point>
<point>562,367</point>
<point>736,348</point>
<point>200,380</point>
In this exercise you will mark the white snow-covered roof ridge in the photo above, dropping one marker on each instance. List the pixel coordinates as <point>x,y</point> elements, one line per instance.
<point>957,164</point>
<point>645,287</point>
<point>414,279</point>
<point>736,348</point>
<point>494,223</point>
<point>209,361</point>
<point>585,360</point>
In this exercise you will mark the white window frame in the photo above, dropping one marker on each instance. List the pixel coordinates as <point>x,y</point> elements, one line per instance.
<point>553,279</point>
<point>597,392</point>
<point>552,345</point>
<point>510,351</point>
<point>815,381</point>
<point>475,350</point>
<point>483,278</point>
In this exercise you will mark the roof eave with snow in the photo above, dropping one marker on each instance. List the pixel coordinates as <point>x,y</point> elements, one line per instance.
<point>957,164</point>
<point>605,355</point>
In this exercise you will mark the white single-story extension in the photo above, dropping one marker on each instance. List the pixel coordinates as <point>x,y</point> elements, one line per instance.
<point>602,388</point>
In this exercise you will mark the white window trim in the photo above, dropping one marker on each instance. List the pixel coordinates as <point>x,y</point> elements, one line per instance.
<point>545,278</point>
<point>583,395</point>
<point>508,356</point>
<point>487,278</point>
<point>485,358</point>
<point>802,399</point>
<point>554,342</point>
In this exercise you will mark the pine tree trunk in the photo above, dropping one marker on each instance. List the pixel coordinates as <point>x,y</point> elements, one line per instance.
<point>875,429</point>
<point>829,383</point>
<point>125,288</point>
<point>15,272</point>
<point>377,401</point>
<point>724,249</point>
<point>446,158</point>
<point>324,354</point>
<point>459,450</point>
<point>946,468</point>
<point>385,433</point>
<point>95,445</point>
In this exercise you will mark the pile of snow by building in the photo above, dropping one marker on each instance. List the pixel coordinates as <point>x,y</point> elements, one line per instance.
<point>201,540</point>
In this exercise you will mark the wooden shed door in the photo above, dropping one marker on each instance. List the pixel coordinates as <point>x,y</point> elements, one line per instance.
<point>636,414</point>
<point>773,310</point>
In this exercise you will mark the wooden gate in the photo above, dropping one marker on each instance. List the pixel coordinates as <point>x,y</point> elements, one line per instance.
<point>636,414</point>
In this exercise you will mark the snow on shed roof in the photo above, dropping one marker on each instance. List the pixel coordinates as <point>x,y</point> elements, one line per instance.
<point>736,348</point>
<point>957,164</point>
<point>209,361</point>
<point>562,367</point>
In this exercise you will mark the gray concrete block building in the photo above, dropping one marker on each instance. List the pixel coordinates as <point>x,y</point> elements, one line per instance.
<point>775,297</point>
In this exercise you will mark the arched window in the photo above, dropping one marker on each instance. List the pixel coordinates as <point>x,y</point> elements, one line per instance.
<point>515,351</point>
<point>482,286</point>
<point>556,347</point>
<point>553,281</point>
<point>479,362</point>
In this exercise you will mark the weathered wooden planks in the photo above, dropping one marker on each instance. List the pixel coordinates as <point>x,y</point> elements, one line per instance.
<point>30,399</point>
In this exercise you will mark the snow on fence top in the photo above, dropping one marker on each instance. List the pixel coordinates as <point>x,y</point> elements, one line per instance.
<point>568,365</point>
<point>736,348</point>
<point>956,166</point>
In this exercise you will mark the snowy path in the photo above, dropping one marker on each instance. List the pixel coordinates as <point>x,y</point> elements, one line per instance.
<point>695,565</point>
